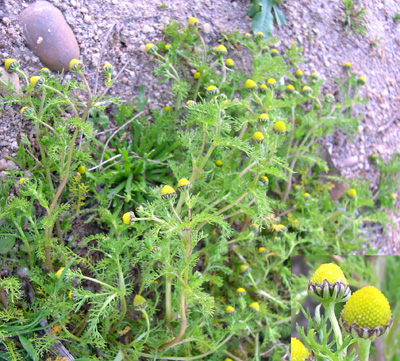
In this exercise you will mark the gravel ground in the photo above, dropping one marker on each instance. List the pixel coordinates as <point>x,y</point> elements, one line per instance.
<point>314,24</point>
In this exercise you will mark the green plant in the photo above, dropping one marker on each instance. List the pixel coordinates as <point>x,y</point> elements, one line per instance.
<point>396,18</point>
<point>262,13</point>
<point>365,316</point>
<point>354,17</point>
<point>192,212</point>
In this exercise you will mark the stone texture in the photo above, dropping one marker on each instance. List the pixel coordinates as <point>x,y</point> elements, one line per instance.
<point>49,35</point>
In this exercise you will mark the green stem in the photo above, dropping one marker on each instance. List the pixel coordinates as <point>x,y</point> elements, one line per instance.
<point>123,301</point>
<point>28,248</point>
<point>330,311</point>
<point>148,326</point>
<point>363,349</point>
<point>168,301</point>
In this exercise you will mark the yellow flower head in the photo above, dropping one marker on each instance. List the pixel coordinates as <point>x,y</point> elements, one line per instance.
<point>45,72</point>
<point>367,313</point>
<point>212,89</point>
<point>128,218</point>
<point>193,22</point>
<point>250,85</point>
<point>264,179</point>
<point>221,49</point>
<point>260,35</point>
<point>263,117</point>
<point>184,184</point>
<point>219,163</point>
<point>81,169</point>
<point>298,351</point>
<point>75,65</point>
<point>258,137</point>
<point>328,284</point>
<point>314,75</point>
<point>229,63</point>
<point>362,80</point>
<point>330,272</point>
<point>11,65</point>
<point>290,88</point>
<point>167,47</point>
<point>35,80</point>
<point>196,75</point>
<point>151,48</point>
<point>240,291</point>
<point>139,303</point>
<point>271,82</point>
<point>274,52</point>
<point>262,88</point>
<point>299,73</point>
<point>393,195</point>
<point>167,192</point>
<point>306,89</point>
<point>347,65</point>
<point>254,307</point>
<point>279,127</point>
<point>21,180</point>
<point>244,268</point>
<point>190,102</point>
<point>70,294</point>
<point>352,193</point>
<point>230,310</point>
<point>306,195</point>
<point>262,250</point>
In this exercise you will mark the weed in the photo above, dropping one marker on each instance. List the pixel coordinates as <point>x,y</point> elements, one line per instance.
<point>354,17</point>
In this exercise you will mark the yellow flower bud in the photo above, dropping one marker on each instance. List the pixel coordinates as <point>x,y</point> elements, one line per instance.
<point>167,192</point>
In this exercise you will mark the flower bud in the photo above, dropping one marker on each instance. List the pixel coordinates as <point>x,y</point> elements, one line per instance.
<point>128,218</point>
<point>352,193</point>
<point>263,118</point>
<point>271,82</point>
<point>274,52</point>
<point>11,65</point>
<point>151,48</point>
<point>328,284</point>
<point>299,74</point>
<point>264,179</point>
<point>81,169</point>
<point>306,90</point>
<point>139,303</point>
<point>366,314</point>
<point>167,192</point>
<point>298,351</point>
<point>244,268</point>
<point>76,66</point>
<point>219,163</point>
<point>289,88</point>
<point>258,137</point>
<point>254,307</point>
<point>196,75</point>
<point>262,88</point>
<point>279,127</point>
<point>250,85</point>
<point>184,184</point>
<point>240,291</point>
<point>27,113</point>
<point>221,50</point>
<point>230,310</point>
<point>212,90</point>
<point>108,69</point>
<point>193,22</point>
<point>229,63</point>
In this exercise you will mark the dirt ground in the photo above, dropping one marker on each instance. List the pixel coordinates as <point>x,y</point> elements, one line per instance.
<point>315,25</point>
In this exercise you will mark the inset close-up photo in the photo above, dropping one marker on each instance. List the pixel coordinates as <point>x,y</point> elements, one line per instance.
<point>345,308</point>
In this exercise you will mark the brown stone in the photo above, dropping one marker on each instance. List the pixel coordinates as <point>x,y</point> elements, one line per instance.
<point>49,35</point>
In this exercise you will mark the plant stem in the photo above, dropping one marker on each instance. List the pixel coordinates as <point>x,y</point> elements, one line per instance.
<point>168,301</point>
<point>363,349</point>
<point>28,248</point>
<point>122,296</point>
<point>148,326</point>
<point>330,311</point>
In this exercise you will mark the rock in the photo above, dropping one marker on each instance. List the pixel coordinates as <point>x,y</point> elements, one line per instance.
<point>349,162</point>
<point>206,28</point>
<point>147,29</point>
<point>3,165</point>
<point>6,76</point>
<point>49,35</point>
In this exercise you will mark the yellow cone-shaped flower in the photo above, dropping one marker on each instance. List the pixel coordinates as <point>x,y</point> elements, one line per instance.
<point>367,313</point>
<point>250,85</point>
<point>298,351</point>
<point>167,192</point>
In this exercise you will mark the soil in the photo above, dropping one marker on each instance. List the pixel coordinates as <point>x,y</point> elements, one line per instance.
<point>121,28</point>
